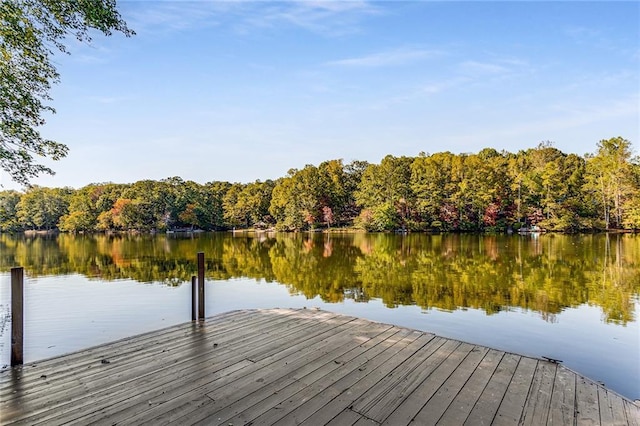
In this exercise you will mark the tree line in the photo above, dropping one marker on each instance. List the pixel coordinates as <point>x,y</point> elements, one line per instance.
<point>489,191</point>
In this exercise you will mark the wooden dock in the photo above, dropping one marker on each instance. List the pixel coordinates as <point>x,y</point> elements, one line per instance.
<point>311,367</point>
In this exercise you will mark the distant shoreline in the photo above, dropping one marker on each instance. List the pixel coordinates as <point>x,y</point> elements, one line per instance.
<point>34,232</point>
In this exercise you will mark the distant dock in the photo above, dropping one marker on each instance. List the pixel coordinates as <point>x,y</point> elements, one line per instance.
<point>285,366</point>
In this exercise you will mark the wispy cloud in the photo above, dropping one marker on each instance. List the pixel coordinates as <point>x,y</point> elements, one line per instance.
<point>145,17</point>
<point>596,38</point>
<point>89,53</point>
<point>475,68</point>
<point>492,70</point>
<point>579,33</point>
<point>580,113</point>
<point>443,85</point>
<point>109,99</point>
<point>384,59</point>
<point>331,18</point>
<point>560,118</point>
<point>328,18</point>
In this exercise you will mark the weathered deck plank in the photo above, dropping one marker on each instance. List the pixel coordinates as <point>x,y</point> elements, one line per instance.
<point>536,410</point>
<point>154,381</point>
<point>512,405</point>
<point>418,387</point>
<point>285,366</point>
<point>587,404</point>
<point>301,367</point>
<point>464,401</point>
<point>372,378</point>
<point>309,386</point>
<point>633,413</point>
<point>563,399</point>
<point>109,384</point>
<point>301,381</point>
<point>436,406</point>
<point>145,347</point>
<point>611,409</point>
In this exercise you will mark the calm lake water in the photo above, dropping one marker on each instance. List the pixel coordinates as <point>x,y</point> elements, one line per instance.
<point>573,298</point>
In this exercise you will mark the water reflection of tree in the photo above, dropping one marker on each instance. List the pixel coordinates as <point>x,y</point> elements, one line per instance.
<point>545,274</point>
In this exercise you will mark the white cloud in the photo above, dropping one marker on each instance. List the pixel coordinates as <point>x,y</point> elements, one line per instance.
<point>330,18</point>
<point>145,17</point>
<point>109,99</point>
<point>557,118</point>
<point>388,58</point>
<point>484,68</point>
<point>443,85</point>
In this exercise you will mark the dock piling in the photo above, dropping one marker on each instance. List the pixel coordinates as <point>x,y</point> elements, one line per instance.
<point>201,286</point>
<point>194,293</point>
<point>17,315</point>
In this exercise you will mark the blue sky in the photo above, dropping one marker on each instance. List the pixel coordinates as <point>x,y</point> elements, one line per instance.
<point>239,91</point>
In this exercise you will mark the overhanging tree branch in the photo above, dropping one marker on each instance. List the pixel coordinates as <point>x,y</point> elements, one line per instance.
<point>30,31</point>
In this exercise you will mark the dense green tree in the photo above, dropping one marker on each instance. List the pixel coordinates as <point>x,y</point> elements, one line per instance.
<point>248,204</point>
<point>452,212</point>
<point>30,31</point>
<point>9,211</point>
<point>257,197</point>
<point>430,182</point>
<point>83,214</point>
<point>41,208</point>
<point>284,206</point>
<point>353,177</point>
<point>333,189</point>
<point>538,180</point>
<point>152,205</point>
<point>235,211</point>
<point>610,179</point>
<point>385,194</point>
<point>297,199</point>
<point>631,206</point>
<point>483,190</point>
<point>567,210</point>
<point>176,194</point>
<point>516,169</point>
<point>210,206</point>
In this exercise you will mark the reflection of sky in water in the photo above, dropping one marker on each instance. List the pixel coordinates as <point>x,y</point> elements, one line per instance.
<point>68,313</point>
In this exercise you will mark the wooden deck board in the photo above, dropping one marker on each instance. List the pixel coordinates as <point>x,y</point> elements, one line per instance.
<point>463,403</point>
<point>611,409</point>
<point>633,413</point>
<point>417,388</point>
<point>587,404</point>
<point>375,373</point>
<point>435,407</point>
<point>315,395</point>
<point>512,405</point>
<point>301,367</point>
<point>293,364</point>
<point>303,377</point>
<point>563,399</point>
<point>133,344</point>
<point>346,417</point>
<point>536,410</point>
<point>141,389</point>
<point>148,376</point>
<point>144,347</point>
<point>395,374</point>
<point>359,380</point>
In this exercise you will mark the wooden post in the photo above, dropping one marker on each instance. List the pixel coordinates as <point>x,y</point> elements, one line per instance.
<point>201,286</point>
<point>17,315</point>
<point>193,298</point>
